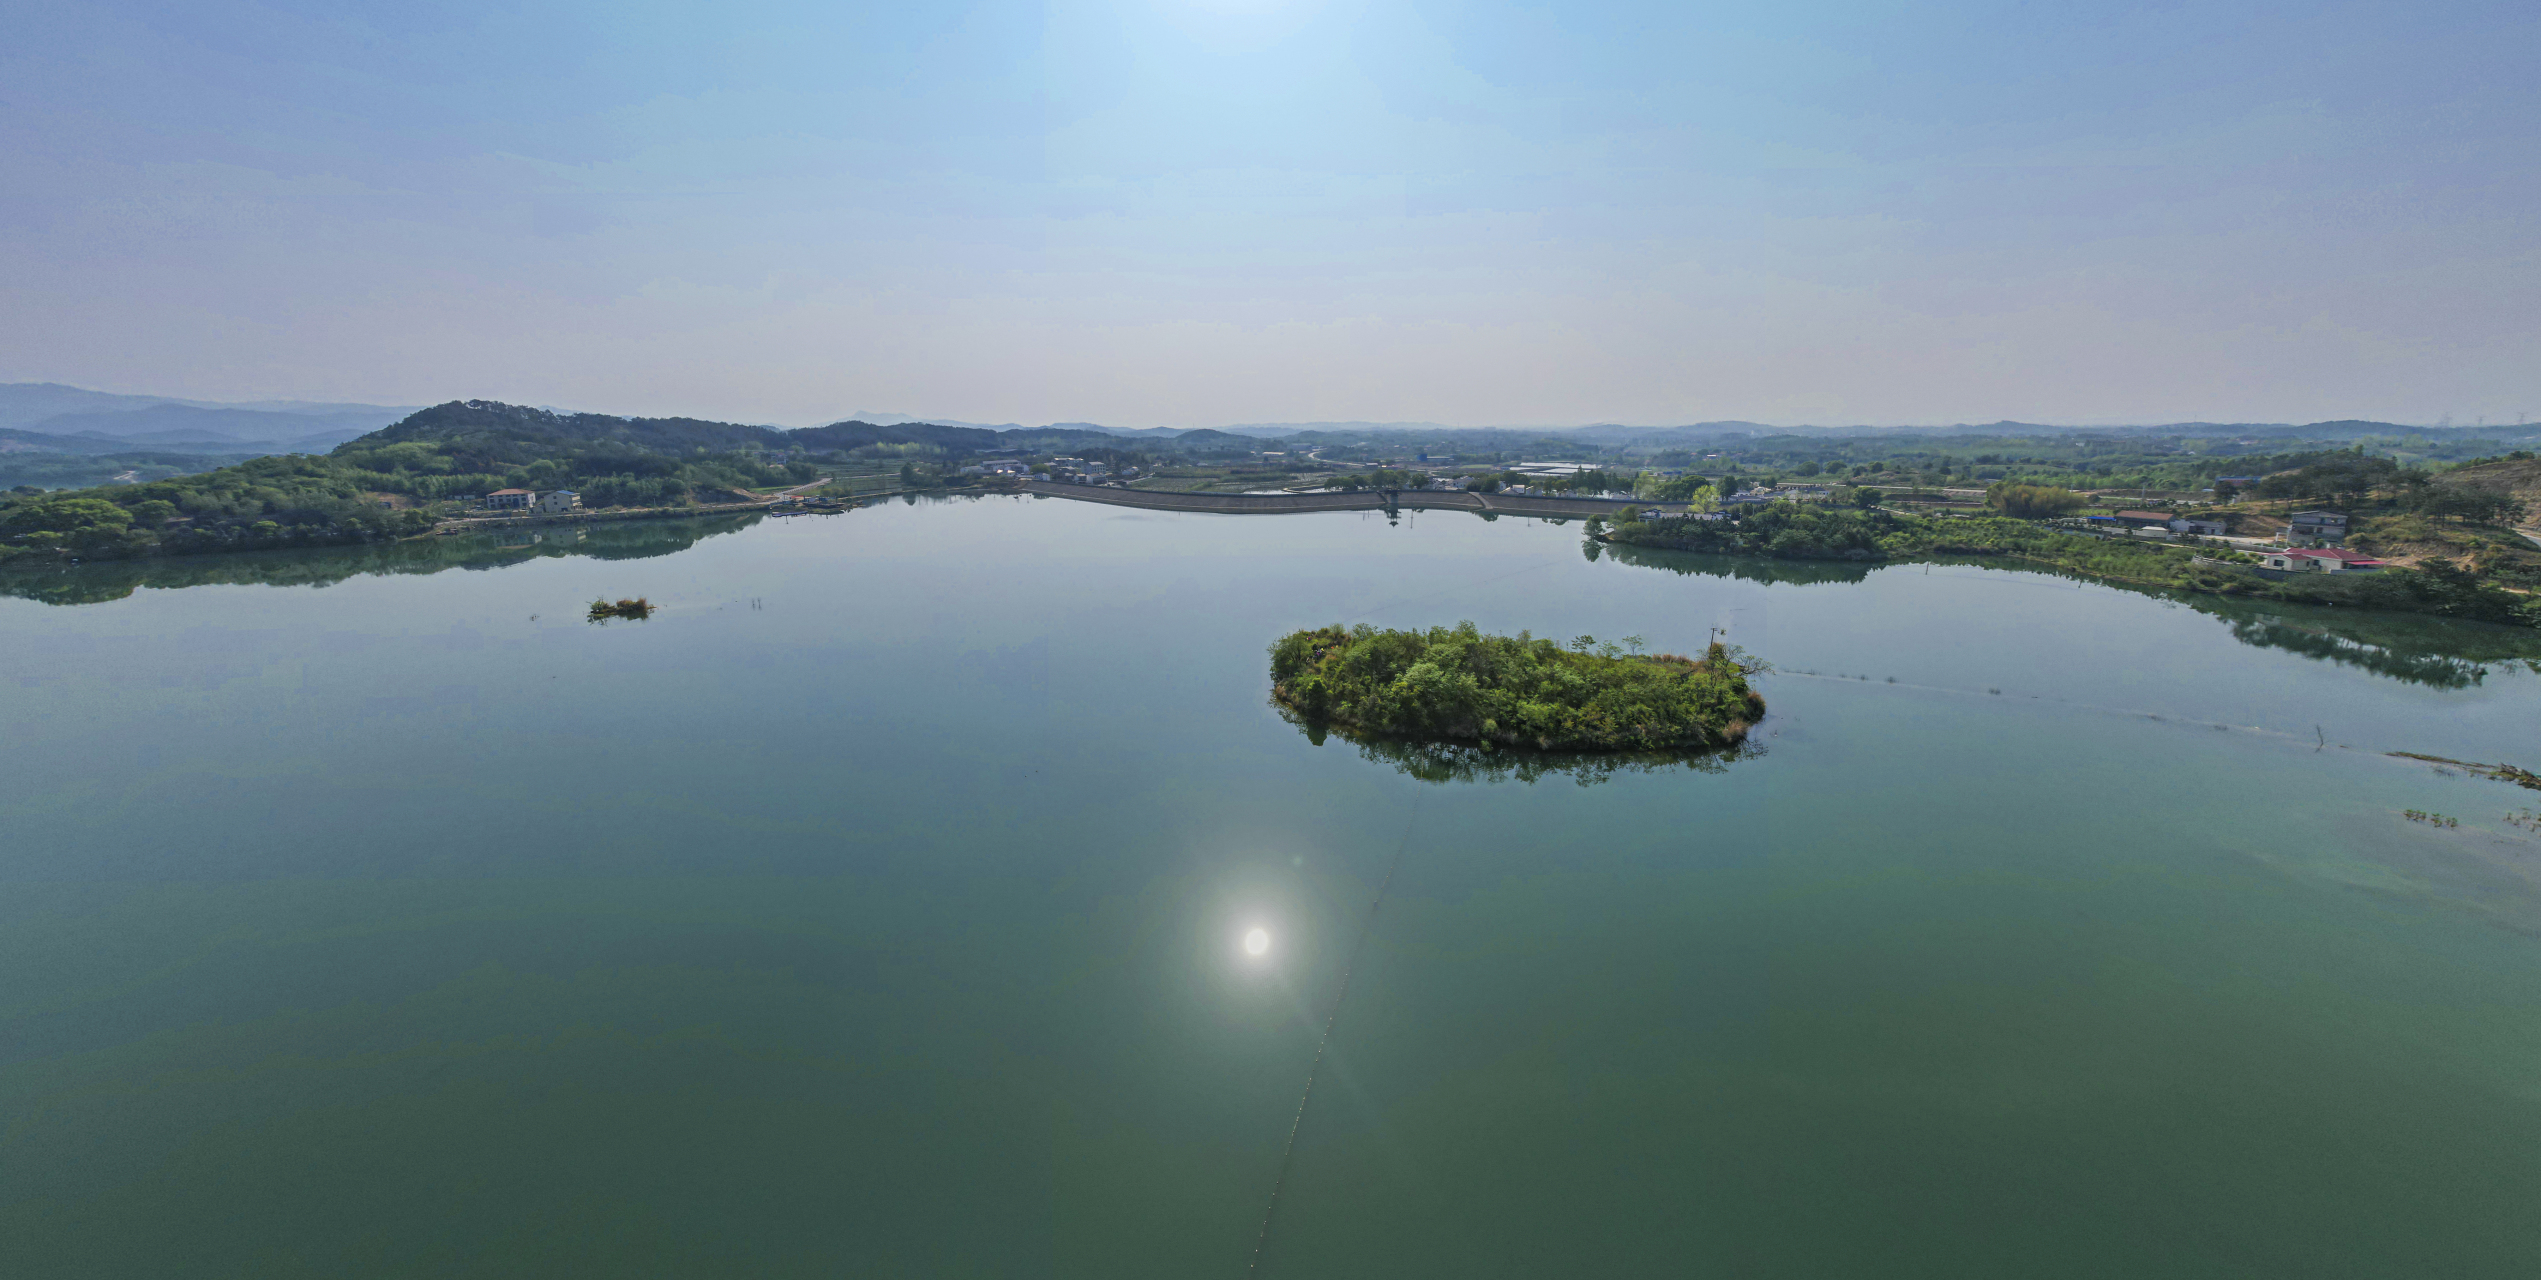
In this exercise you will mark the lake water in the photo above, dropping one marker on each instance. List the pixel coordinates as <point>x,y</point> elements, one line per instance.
<point>874,909</point>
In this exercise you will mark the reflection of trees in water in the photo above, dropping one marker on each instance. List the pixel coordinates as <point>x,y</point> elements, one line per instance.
<point>2446,653</point>
<point>1445,762</point>
<point>324,566</point>
<point>1743,568</point>
<point>2416,668</point>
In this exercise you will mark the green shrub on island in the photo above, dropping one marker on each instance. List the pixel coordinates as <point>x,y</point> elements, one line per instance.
<point>1455,684</point>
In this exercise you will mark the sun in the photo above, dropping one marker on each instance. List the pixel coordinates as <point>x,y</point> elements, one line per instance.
<point>1256,942</point>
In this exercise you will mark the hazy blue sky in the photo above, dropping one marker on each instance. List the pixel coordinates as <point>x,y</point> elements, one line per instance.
<point>1181,212</point>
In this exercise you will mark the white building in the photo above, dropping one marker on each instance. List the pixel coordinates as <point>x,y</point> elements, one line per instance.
<point>2320,561</point>
<point>2316,528</point>
<point>558,501</point>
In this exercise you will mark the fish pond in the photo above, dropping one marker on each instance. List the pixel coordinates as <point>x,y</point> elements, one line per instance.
<point>933,890</point>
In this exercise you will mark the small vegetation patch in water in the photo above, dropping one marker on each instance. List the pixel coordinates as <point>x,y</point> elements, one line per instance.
<point>638,608</point>
<point>1457,685</point>
<point>2515,774</point>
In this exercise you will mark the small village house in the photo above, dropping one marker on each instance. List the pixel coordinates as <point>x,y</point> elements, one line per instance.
<point>2320,560</point>
<point>2316,529</point>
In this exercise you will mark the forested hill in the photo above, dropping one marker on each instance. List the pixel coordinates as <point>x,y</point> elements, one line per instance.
<point>516,432</point>
<point>954,440</point>
<point>1208,438</point>
<point>505,434</point>
<point>393,481</point>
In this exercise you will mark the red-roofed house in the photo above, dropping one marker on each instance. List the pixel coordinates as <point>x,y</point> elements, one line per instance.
<point>509,499</point>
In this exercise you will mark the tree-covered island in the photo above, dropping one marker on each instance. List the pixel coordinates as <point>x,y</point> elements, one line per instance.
<point>1455,684</point>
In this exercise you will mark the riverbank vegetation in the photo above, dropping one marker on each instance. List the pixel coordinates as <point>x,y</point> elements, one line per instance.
<point>2439,652</point>
<point>395,482</point>
<point>55,580</point>
<point>401,479</point>
<point>1455,684</point>
<point>282,501</point>
<point>1808,531</point>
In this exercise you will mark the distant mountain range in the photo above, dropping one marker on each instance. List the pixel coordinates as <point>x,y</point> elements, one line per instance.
<point>44,415</point>
<point>51,417</point>
<point>1619,433</point>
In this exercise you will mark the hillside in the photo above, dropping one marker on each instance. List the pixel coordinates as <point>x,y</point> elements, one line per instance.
<point>368,489</point>
<point>485,431</point>
<point>472,447</point>
<point>1209,440</point>
<point>1057,438</point>
<point>2516,476</point>
<point>2465,517</point>
<point>371,487</point>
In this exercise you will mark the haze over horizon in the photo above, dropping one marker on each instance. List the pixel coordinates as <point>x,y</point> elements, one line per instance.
<point>1207,212</point>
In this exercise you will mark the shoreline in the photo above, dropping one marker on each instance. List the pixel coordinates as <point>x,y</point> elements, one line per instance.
<point>1360,500</point>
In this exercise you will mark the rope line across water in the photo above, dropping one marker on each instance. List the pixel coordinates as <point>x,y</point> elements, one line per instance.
<point>1288,1152</point>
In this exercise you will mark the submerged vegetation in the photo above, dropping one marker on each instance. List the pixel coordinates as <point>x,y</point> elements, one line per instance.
<point>638,608</point>
<point>2515,774</point>
<point>1457,685</point>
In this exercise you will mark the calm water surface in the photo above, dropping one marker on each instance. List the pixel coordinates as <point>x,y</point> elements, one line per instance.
<point>875,909</point>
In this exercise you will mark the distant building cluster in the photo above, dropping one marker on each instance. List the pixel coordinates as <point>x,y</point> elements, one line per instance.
<point>1079,471</point>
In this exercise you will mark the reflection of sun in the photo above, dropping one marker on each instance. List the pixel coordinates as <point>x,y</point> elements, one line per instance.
<point>1256,942</point>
